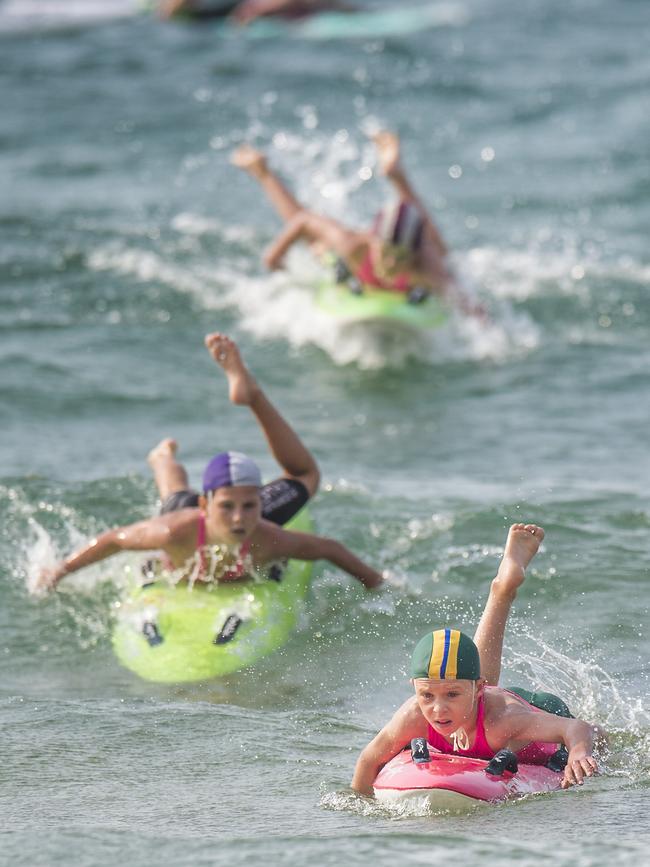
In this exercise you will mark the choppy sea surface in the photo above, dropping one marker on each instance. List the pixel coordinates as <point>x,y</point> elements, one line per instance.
<point>126,236</point>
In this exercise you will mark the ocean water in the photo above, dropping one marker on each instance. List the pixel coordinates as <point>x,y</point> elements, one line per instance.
<point>127,236</point>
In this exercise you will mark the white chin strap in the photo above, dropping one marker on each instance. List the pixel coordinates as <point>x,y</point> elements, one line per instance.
<point>460,737</point>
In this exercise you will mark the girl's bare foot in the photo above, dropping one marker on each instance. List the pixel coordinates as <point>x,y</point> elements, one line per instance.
<point>168,474</point>
<point>249,159</point>
<point>521,546</point>
<point>161,453</point>
<point>242,385</point>
<point>387,144</point>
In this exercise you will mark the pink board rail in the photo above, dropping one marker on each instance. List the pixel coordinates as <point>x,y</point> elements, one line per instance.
<point>456,781</point>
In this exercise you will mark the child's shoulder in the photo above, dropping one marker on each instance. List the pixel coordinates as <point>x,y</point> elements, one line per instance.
<point>503,707</point>
<point>407,722</point>
<point>409,712</point>
<point>270,539</point>
<point>266,529</point>
<point>180,522</point>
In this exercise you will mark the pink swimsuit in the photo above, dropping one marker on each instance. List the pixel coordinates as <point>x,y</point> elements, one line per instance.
<point>535,753</point>
<point>199,570</point>
<point>366,274</point>
<point>230,574</point>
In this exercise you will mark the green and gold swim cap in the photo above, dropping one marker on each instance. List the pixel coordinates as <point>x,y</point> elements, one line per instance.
<point>446,654</point>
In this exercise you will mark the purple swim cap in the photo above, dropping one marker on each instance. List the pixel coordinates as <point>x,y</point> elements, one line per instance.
<point>231,469</point>
<point>400,223</point>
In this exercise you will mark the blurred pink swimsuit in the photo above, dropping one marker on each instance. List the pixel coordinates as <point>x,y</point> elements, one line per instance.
<point>534,753</point>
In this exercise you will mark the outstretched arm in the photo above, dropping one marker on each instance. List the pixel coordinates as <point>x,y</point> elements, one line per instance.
<point>578,736</point>
<point>406,724</point>
<point>294,230</point>
<point>306,546</point>
<point>342,557</point>
<point>143,536</point>
<point>324,231</point>
<point>580,740</point>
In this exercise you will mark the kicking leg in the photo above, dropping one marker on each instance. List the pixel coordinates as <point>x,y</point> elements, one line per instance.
<point>169,475</point>
<point>388,148</point>
<point>254,162</point>
<point>285,444</point>
<point>521,546</point>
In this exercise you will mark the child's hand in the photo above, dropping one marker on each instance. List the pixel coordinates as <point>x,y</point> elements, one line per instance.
<point>577,769</point>
<point>272,261</point>
<point>46,580</point>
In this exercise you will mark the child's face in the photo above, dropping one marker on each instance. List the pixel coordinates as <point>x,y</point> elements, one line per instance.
<point>447,704</point>
<point>233,513</point>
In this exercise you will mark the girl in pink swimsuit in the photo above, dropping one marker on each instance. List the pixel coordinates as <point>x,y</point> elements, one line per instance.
<point>209,559</point>
<point>535,753</point>
<point>233,530</point>
<point>460,710</point>
<point>402,251</point>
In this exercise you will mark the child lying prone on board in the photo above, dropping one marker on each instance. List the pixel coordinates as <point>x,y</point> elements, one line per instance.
<point>233,530</point>
<point>458,706</point>
<point>403,252</point>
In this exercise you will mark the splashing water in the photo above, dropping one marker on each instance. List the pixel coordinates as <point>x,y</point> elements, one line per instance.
<point>592,694</point>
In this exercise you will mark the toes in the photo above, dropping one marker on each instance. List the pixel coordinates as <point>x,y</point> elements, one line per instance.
<point>218,342</point>
<point>535,530</point>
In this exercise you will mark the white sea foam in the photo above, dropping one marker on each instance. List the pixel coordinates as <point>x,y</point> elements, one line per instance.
<point>197,225</point>
<point>148,266</point>
<point>327,171</point>
<point>43,554</point>
<point>591,691</point>
<point>284,305</point>
<point>39,550</point>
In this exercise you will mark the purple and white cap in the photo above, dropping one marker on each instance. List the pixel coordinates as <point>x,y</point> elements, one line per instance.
<point>231,469</point>
<point>400,223</point>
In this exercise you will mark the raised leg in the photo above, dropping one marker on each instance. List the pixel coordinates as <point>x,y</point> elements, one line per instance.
<point>169,475</point>
<point>388,148</point>
<point>254,162</point>
<point>286,446</point>
<point>521,546</point>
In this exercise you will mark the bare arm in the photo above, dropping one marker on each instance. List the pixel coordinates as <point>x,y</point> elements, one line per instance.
<point>292,232</point>
<point>144,536</point>
<point>306,546</point>
<point>406,724</point>
<point>577,735</point>
<point>330,234</point>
